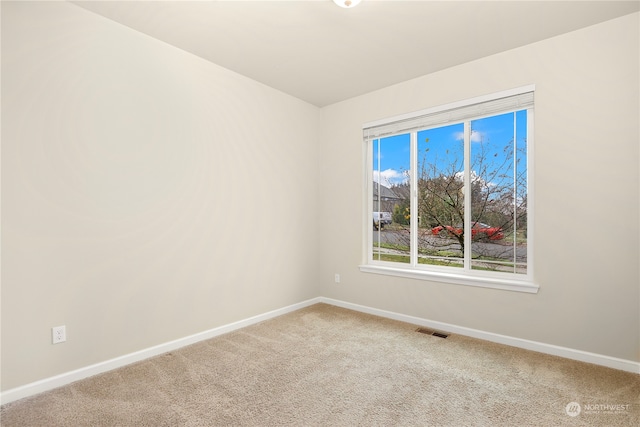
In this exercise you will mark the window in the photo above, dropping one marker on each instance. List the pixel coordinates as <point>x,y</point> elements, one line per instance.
<point>449,193</point>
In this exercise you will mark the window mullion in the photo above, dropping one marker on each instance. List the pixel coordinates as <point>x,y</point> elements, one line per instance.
<point>467,195</point>
<point>369,201</point>
<point>530,193</point>
<point>413,176</point>
<point>515,193</point>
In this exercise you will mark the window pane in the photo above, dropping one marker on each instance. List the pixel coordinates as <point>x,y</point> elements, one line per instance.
<point>499,193</point>
<point>391,162</point>
<point>440,196</point>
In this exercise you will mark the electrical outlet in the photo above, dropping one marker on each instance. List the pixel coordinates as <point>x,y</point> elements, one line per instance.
<point>337,278</point>
<point>58,334</point>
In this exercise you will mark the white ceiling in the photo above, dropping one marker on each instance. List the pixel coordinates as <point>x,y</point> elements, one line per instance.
<point>321,53</point>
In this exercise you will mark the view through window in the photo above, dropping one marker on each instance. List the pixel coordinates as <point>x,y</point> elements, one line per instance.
<point>451,195</point>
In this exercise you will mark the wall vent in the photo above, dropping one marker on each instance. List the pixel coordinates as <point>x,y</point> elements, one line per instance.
<point>432,332</point>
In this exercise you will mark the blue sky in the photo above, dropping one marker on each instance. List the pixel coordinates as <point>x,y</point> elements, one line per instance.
<point>445,147</point>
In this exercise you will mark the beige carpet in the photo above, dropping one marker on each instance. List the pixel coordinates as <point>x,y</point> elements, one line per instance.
<point>327,366</point>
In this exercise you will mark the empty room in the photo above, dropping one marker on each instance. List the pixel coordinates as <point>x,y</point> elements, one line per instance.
<point>320,213</point>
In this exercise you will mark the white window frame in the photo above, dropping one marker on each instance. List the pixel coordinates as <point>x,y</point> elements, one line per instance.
<point>408,123</point>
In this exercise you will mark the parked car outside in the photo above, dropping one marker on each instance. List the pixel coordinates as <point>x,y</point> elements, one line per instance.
<point>479,231</point>
<point>380,219</point>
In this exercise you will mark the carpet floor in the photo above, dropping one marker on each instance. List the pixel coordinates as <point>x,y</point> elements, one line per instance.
<point>328,366</point>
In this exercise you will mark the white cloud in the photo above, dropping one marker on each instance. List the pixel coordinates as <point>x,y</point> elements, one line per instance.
<point>473,175</point>
<point>390,177</point>
<point>476,136</point>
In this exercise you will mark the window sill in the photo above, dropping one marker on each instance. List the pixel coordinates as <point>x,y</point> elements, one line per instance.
<point>457,279</point>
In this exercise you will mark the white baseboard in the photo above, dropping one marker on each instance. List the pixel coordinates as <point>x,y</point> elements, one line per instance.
<point>78,374</point>
<point>568,353</point>
<point>88,371</point>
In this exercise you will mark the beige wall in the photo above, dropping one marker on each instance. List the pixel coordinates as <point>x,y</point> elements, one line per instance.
<point>586,194</point>
<point>147,194</point>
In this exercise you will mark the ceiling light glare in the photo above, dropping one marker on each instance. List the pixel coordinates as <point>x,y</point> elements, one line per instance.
<point>347,4</point>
